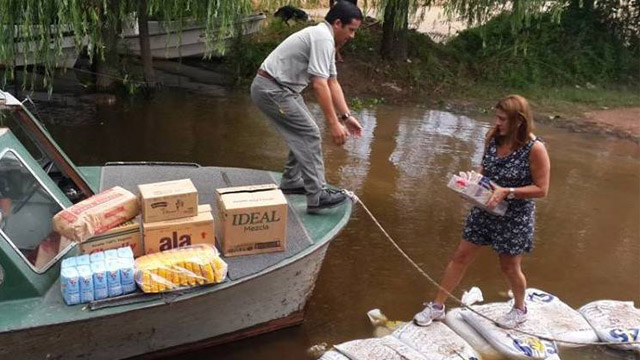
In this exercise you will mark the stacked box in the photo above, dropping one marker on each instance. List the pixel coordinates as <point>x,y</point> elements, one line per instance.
<point>172,218</point>
<point>251,219</point>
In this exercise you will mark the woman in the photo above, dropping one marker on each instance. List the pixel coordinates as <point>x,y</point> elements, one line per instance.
<point>518,163</point>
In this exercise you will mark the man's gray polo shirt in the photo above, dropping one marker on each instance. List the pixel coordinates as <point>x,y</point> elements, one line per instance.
<point>308,52</point>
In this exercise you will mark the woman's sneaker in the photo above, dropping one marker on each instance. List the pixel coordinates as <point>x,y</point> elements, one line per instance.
<point>514,318</point>
<point>431,312</point>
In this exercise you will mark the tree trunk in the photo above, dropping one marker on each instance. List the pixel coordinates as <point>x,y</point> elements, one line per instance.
<point>107,65</point>
<point>394,30</point>
<point>145,46</point>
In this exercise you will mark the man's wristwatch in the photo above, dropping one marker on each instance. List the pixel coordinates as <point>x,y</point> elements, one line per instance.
<point>512,193</point>
<point>345,116</point>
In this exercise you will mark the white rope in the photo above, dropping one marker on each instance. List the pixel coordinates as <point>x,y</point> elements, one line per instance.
<point>355,199</point>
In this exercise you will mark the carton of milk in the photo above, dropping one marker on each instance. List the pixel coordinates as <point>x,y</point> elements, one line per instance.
<point>114,287</point>
<point>68,262</point>
<point>83,260</point>
<point>70,286</point>
<point>85,277</point>
<point>98,256</point>
<point>127,275</point>
<point>99,280</point>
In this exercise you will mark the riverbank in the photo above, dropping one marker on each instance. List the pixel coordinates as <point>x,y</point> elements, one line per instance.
<point>610,112</point>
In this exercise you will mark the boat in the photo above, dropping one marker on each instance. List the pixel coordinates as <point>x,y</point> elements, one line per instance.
<point>167,42</point>
<point>262,293</point>
<point>66,58</point>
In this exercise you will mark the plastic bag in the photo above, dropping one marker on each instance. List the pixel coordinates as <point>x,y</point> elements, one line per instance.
<point>477,189</point>
<point>180,268</point>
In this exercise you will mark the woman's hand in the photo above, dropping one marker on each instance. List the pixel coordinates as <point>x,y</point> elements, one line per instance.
<point>499,194</point>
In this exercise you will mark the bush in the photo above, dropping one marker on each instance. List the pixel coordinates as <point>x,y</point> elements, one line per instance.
<point>581,48</point>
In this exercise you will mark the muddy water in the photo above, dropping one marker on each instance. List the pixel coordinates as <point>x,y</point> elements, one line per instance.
<point>587,240</point>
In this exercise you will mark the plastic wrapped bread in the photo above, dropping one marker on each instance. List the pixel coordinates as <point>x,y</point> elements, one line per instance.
<point>96,214</point>
<point>180,268</point>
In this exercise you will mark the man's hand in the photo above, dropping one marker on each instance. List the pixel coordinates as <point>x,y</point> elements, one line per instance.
<point>339,133</point>
<point>353,126</point>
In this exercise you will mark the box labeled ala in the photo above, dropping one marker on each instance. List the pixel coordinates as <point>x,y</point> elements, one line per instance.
<point>168,200</point>
<point>251,219</point>
<point>127,234</point>
<point>171,234</point>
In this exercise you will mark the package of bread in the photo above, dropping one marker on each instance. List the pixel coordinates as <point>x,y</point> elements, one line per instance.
<point>96,214</point>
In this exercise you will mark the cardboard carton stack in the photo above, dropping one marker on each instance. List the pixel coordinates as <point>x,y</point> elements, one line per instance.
<point>172,218</point>
<point>251,219</point>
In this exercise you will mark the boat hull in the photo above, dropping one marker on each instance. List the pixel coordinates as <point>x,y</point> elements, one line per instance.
<point>166,42</point>
<point>264,302</point>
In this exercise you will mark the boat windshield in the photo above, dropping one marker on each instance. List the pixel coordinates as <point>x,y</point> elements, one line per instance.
<point>10,118</point>
<point>26,210</point>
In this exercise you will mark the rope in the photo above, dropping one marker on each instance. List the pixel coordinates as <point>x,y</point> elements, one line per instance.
<point>355,199</point>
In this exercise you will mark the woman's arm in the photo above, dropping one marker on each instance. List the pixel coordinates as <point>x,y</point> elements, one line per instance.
<point>540,172</point>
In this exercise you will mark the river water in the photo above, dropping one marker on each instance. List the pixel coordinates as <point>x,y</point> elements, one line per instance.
<point>587,231</point>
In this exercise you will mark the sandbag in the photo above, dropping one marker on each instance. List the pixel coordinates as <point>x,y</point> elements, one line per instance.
<point>385,348</point>
<point>96,214</point>
<point>511,343</point>
<point>333,355</point>
<point>436,342</point>
<point>614,321</point>
<point>455,322</point>
<point>562,321</point>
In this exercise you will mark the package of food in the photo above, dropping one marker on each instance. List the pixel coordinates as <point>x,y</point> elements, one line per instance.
<point>180,268</point>
<point>96,214</point>
<point>477,189</point>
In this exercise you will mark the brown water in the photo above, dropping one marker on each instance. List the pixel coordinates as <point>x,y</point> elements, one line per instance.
<point>588,228</point>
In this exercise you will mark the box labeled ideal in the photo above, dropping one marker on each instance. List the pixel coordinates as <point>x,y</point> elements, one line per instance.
<point>168,200</point>
<point>251,219</point>
<point>127,234</point>
<point>171,234</point>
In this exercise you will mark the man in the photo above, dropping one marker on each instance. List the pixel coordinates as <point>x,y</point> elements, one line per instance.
<point>331,3</point>
<point>308,56</point>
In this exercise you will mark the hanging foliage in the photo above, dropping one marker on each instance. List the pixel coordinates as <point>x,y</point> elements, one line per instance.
<point>35,31</point>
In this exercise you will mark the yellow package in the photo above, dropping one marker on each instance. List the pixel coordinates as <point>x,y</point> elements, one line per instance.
<point>179,268</point>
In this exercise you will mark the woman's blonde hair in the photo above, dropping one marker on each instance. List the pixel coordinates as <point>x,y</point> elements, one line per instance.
<point>519,118</point>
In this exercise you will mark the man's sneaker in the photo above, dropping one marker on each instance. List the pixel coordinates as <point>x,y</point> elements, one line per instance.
<point>431,312</point>
<point>289,187</point>
<point>513,318</point>
<point>293,191</point>
<point>327,199</point>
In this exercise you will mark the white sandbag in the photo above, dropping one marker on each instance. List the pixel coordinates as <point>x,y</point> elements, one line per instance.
<point>385,348</point>
<point>436,342</point>
<point>455,322</point>
<point>614,321</point>
<point>333,355</point>
<point>562,321</point>
<point>96,214</point>
<point>512,343</point>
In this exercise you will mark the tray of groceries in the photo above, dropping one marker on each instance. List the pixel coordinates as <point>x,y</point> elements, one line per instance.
<point>477,189</point>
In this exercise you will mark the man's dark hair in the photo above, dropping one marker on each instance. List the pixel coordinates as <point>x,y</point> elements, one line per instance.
<point>345,11</point>
<point>333,2</point>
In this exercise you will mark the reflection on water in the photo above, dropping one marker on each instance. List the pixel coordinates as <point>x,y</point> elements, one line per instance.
<point>587,239</point>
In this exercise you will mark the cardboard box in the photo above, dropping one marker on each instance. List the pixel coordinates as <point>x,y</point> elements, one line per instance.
<point>476,194</point>
<point>171,234</point>
<point>127,234</point>
<point>251,220</point>
<point>168,200</point>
